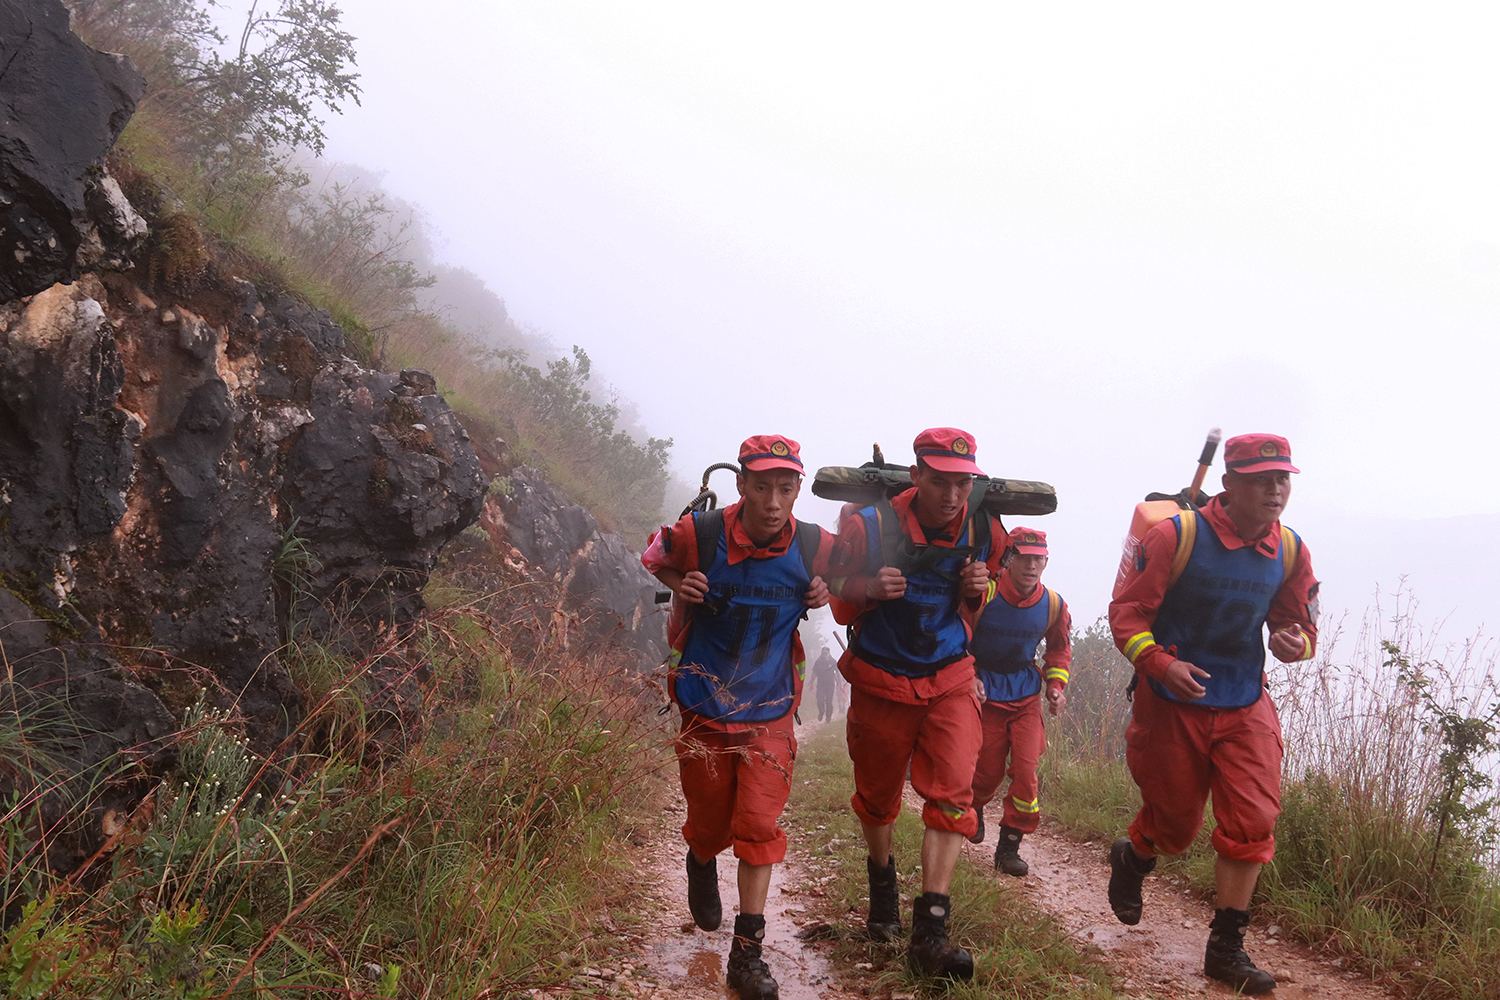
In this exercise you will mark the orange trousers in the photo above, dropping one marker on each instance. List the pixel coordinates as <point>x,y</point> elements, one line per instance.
<point>1011,729</point>
<point>736,785</point>
<point>939,741</point>
<point>1178,754</point>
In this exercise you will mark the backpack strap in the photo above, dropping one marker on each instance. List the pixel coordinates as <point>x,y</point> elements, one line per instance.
<point>891,535</point>
<point>1187,534</point>
<point>1291,548</point>
<point>809,538</point>
<point>1054,608</point>
<point>708,525</point>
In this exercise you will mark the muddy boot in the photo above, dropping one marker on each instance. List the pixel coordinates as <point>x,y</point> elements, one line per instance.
<point>885,902</point>
<point>1126,873</point>
<point>1007,853</point>
<point>1225,958</point>
<point>978,837</point>
<point>931,951</point>
<point>747,974</point>
<point>703,893</point>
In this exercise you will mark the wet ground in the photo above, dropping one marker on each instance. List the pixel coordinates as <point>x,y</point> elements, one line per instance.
<point>1160,958</point>
<point>1163,955</point>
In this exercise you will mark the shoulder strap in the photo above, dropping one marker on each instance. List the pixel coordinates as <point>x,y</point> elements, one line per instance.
<point>708,525</point>
<point>979,529</point>
<point>1187,534</point>
<point>809,538</point>
<point>1054,607</point>
<point>891,535</point>
<point>1291,548</point>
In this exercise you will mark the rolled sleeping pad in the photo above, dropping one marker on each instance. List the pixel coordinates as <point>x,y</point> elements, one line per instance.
<point>865,484</point>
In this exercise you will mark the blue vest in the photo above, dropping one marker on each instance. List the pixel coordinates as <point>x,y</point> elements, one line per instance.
<point>736,664</point>
<point>1004,647</point>
<point>917,634</point>
<point>1215,616</point>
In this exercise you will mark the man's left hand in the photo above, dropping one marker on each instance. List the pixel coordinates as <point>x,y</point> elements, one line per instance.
<point>1289,644</point>
<point>1057,700</point>
<point>973,579</point>
<point>817,593</point>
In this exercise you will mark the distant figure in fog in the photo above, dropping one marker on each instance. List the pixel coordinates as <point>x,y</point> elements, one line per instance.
<point>741,578</point>
<point>1017,616</point>
<point>825,674</point>
<point>1190,615</point>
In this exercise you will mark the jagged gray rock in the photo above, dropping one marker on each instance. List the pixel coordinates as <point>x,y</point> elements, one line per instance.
<point>603,582</point>
<point>64,105</point>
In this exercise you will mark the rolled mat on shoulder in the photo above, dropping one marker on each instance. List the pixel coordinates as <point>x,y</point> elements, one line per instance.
<point>869,482</point>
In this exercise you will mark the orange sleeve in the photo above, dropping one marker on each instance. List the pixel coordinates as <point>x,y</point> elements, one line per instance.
<point>1132,614</point>
<point>1058,659</point>
<point>1296,602</point>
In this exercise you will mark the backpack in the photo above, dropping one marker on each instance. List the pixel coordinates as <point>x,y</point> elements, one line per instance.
<point>1188,534</point>
<point>709,524</point>
<point>898,551</point>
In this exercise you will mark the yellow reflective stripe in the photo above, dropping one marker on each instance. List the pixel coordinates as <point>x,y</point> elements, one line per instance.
<point>801,668</point>
<point>991,589</point>
<point>1026,807</point>
<point>1307,649</point>
<point>1057,674</point>
<point>1137,644</point>
<point>674,658</point>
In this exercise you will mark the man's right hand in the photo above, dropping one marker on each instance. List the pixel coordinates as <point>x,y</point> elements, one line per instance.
<point>886,585</point>
<point>692,588</point>
<point>1182,680</point>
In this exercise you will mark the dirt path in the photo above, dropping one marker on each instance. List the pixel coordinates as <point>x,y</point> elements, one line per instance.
<point>677,961</point>
<point>1160,958</point>
<point>1163,955</point>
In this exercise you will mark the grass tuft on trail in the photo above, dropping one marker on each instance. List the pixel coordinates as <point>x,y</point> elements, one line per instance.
<point>1019,950</point>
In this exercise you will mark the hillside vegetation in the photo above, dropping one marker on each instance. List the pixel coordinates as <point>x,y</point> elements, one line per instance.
<point>221,158</point>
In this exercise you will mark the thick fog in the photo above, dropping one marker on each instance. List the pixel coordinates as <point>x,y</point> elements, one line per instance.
<point>1086,233</point>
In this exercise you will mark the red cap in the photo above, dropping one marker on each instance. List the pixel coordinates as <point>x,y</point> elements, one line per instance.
<point>947,449</point>
<point>770,451</point>
<point>1258,453</point>
<point>1029,541</point>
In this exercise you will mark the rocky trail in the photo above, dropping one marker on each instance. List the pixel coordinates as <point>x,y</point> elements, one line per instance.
<point>1163,955</point>
<point>670,959</point>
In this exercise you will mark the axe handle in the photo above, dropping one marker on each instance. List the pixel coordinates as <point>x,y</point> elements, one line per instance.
<point>1205,459</point>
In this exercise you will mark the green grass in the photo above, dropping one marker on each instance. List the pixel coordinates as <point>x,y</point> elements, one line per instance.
<point>1359,868</point>
<point>477,860</point>
<point>1019,950</point>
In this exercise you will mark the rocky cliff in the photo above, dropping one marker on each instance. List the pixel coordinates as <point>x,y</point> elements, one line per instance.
<point>179,454</point>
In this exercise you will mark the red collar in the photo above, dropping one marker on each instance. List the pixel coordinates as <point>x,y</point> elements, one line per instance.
<point>740,546</point>
<point>1214,513</point>
<point>1007,589</point>
<point>903,503</point>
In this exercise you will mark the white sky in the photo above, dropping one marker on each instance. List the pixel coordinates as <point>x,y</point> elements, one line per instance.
<point>1086,233</point>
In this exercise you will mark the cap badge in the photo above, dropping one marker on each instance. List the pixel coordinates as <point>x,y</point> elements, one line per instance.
<point>1268,450</point>
<point>779,449</point>
<point>960,447</point>
<point>1030,537</point>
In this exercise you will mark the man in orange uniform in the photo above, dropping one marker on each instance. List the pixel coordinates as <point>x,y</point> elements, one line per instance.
<point>914,560</point>
<point>1017,616</point>
<point>1190,614</point>
<point>743,578</point>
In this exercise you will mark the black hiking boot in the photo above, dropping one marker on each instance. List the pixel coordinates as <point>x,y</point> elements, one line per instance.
<point>884,923</point>
<point>703,893</point>
<point>1007,853</point>
<point>978,837</point>
<point>1225,958</point>
<point>747,973</point>
<point>931,951</point>
<point>1126,873</point>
